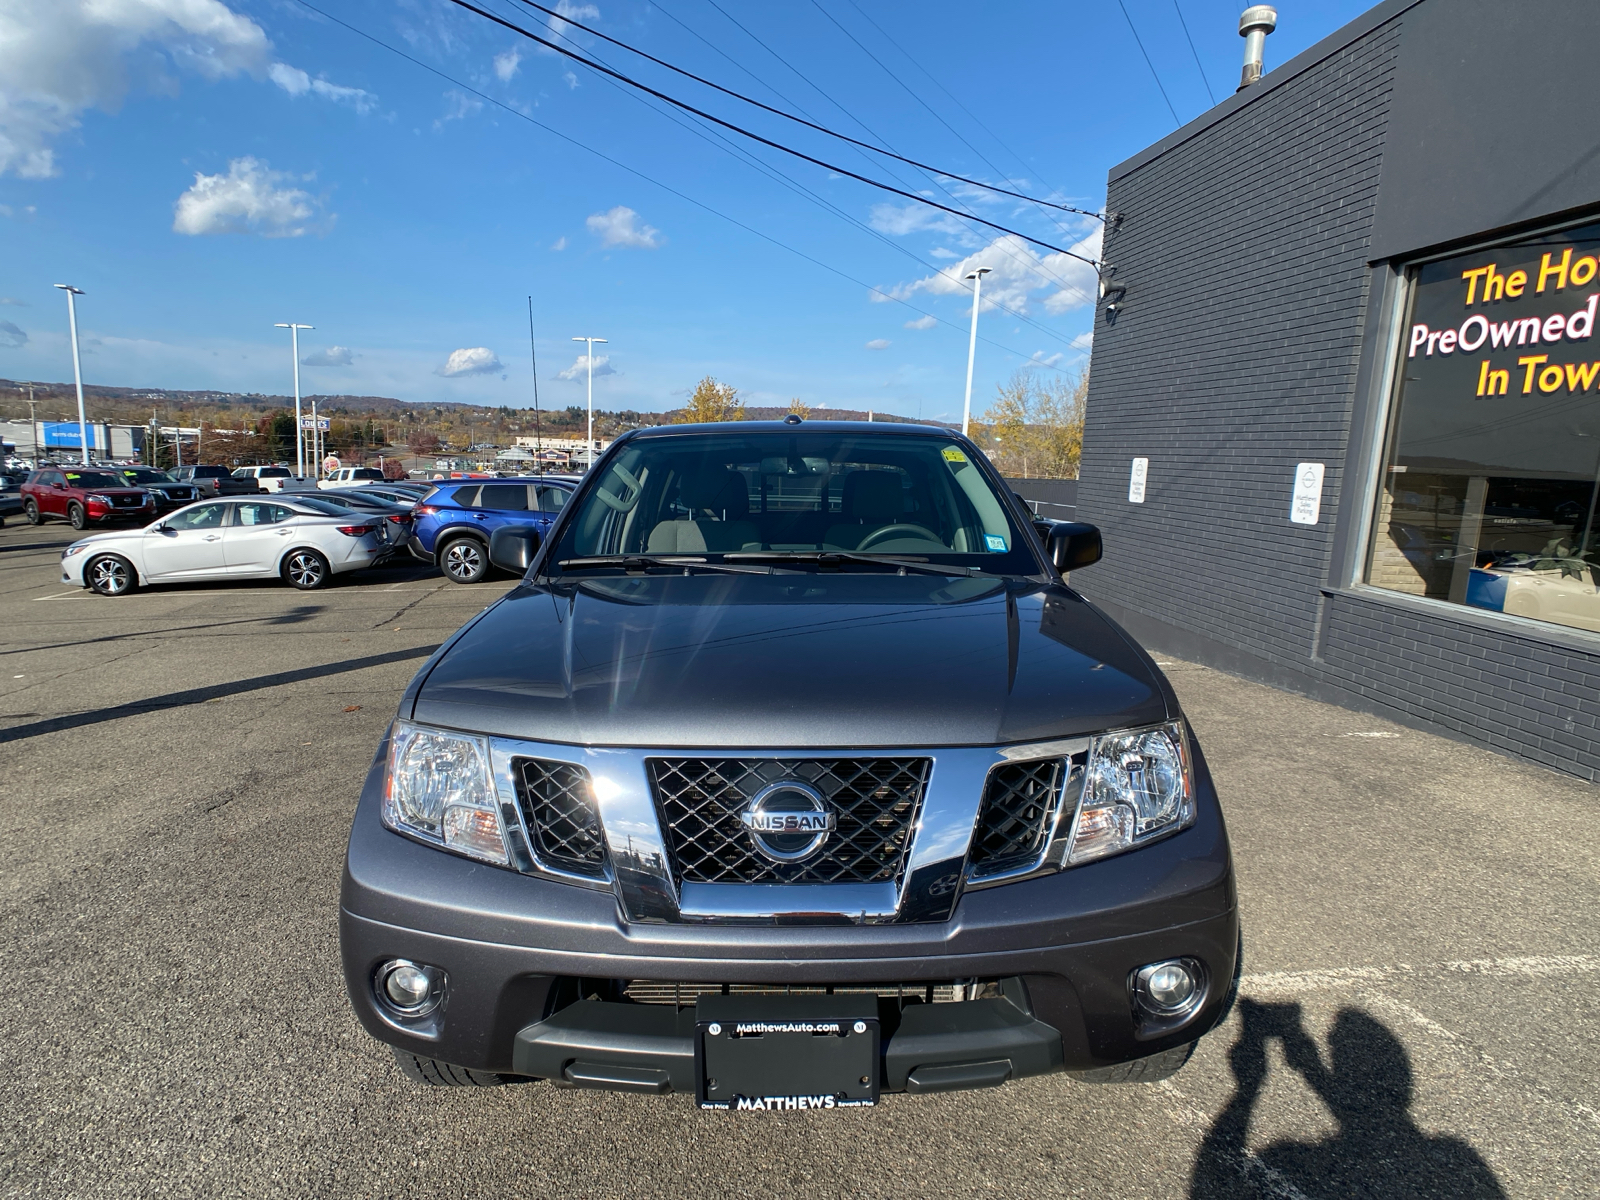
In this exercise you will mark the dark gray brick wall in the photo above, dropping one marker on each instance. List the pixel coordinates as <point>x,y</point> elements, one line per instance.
<point>1244,250</point>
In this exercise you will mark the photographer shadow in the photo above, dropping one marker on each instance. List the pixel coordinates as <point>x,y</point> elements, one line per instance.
<point>1378,1150</point>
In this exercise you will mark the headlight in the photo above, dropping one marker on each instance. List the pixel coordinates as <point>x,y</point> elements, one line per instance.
<point>440,789</point>
<point>75,548</point>
<point>106,500</point>
<point>1138,786</point>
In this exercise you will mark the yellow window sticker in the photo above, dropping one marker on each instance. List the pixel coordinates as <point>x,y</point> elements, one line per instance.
<point>952,455</point>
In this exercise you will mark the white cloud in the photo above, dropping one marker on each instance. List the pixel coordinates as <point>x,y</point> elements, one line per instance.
<point>505,65</point>
<point>1017,272</point>
<point>572,80</point>
<point>619,227</point>
<point>878,344</point>
<point>559,244</point>
<point>942,253</point>
<point>60,58</point>
<point>297,83</point>
<point>333,356</point>
<point>458,105</point>
<point>579,368</point>
<point>1040,359</point>
<point>577,12</point>
<point>1084,341</point>
<point>478,360</point>
<point>13,302</point>
<point>250,198</point>
<point>11,337</point>
<point>924,322</point>
<point>897,220</point>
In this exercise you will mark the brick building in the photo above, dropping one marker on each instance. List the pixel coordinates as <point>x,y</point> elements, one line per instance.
<point>1344,415</point>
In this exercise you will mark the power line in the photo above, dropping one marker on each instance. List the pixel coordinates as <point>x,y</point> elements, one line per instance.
<point>1148,63</point>
<point>668,188</point>
<point>823,129</point>
<point>1179,10</point>
<point>756,137</point>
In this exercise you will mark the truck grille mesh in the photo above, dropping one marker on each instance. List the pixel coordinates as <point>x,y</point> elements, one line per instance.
<point>1014,821</point>
<point>664,991</point>
<point>876,801</point>
<point>560,814</point>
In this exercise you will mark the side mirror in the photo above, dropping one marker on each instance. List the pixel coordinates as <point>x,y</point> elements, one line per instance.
<point>513,548</point>
<point>1073,544</point>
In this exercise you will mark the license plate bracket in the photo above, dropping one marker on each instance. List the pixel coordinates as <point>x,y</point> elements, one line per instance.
<point>783,1053</point>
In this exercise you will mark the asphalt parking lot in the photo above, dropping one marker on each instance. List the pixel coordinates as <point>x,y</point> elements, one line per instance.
<point>177,773</point>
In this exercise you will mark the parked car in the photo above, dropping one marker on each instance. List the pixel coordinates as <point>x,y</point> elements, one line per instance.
<point>344,477</point>
<point>276,479</point>
<point>300,540</point>
<point>455,524</point>
<point>396,517</point>
<point>10,496</point>
<point>83,497</point>
<point>1561,590</point>
<point>405,497</point>
<point>167,491</point>
<point>217,481</point>
<point>790,729</point>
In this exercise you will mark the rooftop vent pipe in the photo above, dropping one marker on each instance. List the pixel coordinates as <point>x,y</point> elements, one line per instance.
<point>1254,24</point>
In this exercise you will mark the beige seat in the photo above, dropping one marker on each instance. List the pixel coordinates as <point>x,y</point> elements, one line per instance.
<point>720,504</point>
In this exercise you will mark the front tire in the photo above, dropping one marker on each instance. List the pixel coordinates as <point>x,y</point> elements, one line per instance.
<point>76,517</point>
<point>464,560</point>
<point>433,1073</point>
<point>306,570</point>
<point>110,575</point>
<point>1141,1070</point>
<point>31,510</point>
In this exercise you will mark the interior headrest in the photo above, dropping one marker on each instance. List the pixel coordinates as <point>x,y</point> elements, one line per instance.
<point>873,496</point>
<point>722,490</point>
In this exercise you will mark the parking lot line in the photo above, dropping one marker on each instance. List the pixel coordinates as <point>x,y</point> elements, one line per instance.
<point>75,594</point>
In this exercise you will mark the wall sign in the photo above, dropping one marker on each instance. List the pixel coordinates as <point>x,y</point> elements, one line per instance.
<point>1136,480</point>
<point>1305,505</point>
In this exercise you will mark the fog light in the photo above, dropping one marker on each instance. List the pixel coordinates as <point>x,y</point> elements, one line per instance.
<point>410,989</point>
<point>1169,989</point>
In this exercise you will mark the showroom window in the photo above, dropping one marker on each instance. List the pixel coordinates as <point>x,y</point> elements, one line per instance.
<point>1492,466</point>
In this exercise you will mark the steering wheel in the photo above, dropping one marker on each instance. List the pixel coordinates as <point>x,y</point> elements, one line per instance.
<point>888,531</point>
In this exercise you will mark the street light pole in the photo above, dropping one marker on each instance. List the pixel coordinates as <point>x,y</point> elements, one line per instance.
<point>299,434</point>
<point>588,449</point>
<point>972,346</point>
<point>77,365</point>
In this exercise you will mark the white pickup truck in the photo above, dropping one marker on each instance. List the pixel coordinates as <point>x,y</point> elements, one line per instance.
<point>277,479</point>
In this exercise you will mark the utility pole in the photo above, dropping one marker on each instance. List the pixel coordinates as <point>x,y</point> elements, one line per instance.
<point>538,435</point>
<point>972,347</point>
<point>294,353</point>
<point>588,449</point>
<point>33,425</point>
<point>77,364</point>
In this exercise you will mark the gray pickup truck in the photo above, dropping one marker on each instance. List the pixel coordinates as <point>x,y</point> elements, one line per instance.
<point>216,481</point>
<point>793,772</point>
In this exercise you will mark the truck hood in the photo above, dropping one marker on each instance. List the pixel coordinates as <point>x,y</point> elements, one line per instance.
<point>791,661</point>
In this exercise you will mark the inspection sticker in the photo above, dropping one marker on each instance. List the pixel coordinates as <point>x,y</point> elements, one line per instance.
<point>951,454</point>
<point>995,542</point>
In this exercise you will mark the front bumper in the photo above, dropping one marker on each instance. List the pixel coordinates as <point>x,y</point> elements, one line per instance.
<point>524,954</point>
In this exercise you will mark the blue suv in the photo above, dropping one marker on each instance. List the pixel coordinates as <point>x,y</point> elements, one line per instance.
<point>454,523</point>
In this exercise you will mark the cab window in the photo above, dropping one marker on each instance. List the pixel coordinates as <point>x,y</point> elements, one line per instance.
<point>259,514</point>
<point>201,516</point>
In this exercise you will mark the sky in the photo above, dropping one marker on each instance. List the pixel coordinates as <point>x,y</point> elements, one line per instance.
<point>404,175</point>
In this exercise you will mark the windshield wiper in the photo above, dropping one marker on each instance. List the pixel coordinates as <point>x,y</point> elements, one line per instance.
<point>834,558</point>
<point>643,562</point>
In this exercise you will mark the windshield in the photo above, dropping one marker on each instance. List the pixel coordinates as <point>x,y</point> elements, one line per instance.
<point>794,493</point>
<point>323,505</point>
<point>147,475</point>
<point>93,479</point>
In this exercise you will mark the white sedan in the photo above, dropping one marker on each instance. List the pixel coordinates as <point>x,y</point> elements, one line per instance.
<point>300,539</point>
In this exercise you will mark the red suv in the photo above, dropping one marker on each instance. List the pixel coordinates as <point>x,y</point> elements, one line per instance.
<point>83,497</point>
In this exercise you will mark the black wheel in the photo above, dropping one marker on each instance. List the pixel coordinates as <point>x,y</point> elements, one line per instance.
<point>305,569</point>
<point>31,511</point>
<point>110,575</point>
<point>464,560</point>
<point>433,1073</point>
<point>76,517</point>
<point>1141,1070</point>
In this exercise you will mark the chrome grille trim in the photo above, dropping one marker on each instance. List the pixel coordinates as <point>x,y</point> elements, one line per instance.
<point>638,869</point>
<point>911,991</point>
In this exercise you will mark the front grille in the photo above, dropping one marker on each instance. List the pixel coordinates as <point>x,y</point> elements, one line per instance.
<point>128,501</point>
<point>1014,820</point>
<point>557,804</point>
<point>876,801</point>
<point>666,991</point>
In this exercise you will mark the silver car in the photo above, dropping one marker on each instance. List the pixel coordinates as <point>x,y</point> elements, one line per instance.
<point>298,539</point>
